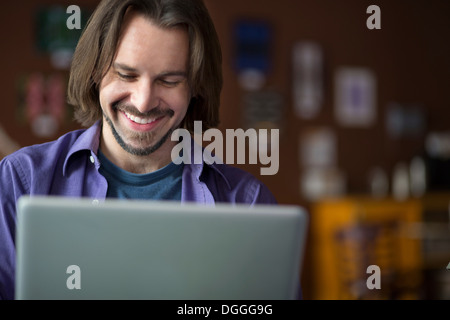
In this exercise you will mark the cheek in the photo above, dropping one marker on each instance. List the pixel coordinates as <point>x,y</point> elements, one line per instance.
<point>109,93</point>
<point>179,104</point>
<point>178,100</point>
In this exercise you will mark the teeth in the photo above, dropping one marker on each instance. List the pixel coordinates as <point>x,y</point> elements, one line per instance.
<point>138,120</point>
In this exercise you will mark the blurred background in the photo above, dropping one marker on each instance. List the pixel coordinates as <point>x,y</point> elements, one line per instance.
<point>358,92</point>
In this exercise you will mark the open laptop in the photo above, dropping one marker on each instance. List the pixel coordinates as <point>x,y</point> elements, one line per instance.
<point>70,248</point>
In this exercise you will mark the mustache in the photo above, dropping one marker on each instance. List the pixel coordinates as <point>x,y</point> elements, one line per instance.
<point>155,112</point>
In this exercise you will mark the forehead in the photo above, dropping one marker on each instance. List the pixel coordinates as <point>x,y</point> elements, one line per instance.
<point>143,44</point>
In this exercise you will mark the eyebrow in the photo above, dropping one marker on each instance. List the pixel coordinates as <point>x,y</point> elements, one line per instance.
<point>124,67</point>
<point>167,73</point>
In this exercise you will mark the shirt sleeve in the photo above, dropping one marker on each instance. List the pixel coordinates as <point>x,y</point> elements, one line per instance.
<point>11,188</point>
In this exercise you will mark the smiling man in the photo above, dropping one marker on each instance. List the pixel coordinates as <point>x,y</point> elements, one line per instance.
<point>141,69</point>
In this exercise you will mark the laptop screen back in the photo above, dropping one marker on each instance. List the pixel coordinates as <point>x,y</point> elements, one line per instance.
<point>73,249</point>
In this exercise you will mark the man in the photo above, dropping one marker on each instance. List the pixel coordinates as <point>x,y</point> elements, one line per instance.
<point>142,69</point>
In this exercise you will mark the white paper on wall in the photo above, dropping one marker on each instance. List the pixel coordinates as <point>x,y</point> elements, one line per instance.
<point>307,79</point>
<point>317,147</point>
<point>321,176</point>
<point>318,183</point>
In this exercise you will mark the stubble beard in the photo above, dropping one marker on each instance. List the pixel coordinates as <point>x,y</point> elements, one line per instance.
<point>143,138</point>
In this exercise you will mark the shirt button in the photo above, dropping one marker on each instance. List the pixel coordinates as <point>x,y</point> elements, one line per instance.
<point>92,159</point>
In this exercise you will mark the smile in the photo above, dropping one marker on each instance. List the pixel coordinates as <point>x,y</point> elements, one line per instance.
<point>139,120</point>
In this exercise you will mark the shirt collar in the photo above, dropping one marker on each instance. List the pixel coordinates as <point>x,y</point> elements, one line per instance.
<point>89,140</point>
<point>197,169</point>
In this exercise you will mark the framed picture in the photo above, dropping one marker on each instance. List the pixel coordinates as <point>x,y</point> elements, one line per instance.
<point>355,97</point>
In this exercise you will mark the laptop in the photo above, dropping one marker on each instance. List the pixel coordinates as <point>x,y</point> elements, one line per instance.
<point>72,248</point>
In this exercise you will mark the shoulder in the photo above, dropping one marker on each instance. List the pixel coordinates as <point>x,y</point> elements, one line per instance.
<point>40,161</point>
<point>237,185</point>
<point>40,154</point>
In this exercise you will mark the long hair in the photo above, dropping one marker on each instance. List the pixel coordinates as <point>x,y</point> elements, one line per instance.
<point>98,43</point>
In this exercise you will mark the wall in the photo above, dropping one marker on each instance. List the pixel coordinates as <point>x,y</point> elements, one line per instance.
<point>409,57</point>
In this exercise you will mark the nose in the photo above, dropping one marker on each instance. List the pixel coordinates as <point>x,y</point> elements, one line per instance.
<point>143,96</point>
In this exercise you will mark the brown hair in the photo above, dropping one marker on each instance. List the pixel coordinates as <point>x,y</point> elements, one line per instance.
<point>97,47</point>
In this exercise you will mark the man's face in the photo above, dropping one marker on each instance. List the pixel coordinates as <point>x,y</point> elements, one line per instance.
<point>145,94</point>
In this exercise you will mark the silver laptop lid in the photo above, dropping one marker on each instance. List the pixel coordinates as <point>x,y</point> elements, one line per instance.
<point>73,249</point>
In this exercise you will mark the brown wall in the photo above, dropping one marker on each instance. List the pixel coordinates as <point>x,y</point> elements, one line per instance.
<point>409,55</point>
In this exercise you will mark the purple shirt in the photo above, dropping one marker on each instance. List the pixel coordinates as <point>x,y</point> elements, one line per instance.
<point>69,167</point>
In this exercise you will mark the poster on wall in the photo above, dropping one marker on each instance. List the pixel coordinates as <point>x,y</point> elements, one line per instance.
<point>42,103</point>
<point>355,97</point>
<point>53,37</point>
<point>252,43</point>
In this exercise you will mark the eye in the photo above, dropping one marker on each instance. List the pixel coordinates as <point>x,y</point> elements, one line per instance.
<point>168,83</point>
<point>126,77</point>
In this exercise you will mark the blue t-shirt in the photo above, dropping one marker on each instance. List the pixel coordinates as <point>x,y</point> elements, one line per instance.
<point>162,184</point>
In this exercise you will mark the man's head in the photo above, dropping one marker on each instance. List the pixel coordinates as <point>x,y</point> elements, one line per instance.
<point>97,50</point>
<point>145,94</point>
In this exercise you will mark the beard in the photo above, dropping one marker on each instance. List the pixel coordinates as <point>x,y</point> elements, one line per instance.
<point>144,139</point>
